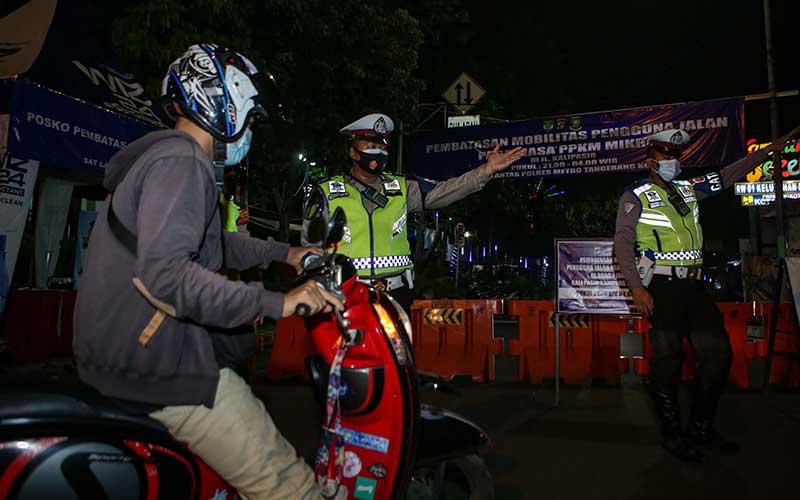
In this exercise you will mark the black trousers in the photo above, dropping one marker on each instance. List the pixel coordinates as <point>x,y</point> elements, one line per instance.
<point>683,308</point>
<point>404,296</point>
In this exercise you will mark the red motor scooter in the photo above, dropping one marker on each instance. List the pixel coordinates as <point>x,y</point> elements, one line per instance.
<point>378,441</point>
<point>386,442</point>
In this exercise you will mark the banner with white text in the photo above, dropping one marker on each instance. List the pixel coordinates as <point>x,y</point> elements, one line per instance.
<point>17,181</point>
<point>585,144</point>
<point>589,279</point>
<point>56,129</point>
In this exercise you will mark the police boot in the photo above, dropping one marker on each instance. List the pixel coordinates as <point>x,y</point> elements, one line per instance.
<point>701,428</point>
<point>672,436</point>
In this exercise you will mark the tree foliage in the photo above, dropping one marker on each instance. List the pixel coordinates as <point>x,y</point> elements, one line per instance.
<point>334,61</point>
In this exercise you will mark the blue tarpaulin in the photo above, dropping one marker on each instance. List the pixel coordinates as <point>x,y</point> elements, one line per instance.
<point>75,106</point>
<point>57,129</point>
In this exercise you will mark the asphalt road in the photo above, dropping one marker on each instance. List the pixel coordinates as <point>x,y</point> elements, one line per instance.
<point>600,443</point>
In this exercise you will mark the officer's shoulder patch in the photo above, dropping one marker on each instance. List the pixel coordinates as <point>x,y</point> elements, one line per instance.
<point>392,185</point>
<point>686,191</point>
<point>335,186</point>
<point>337,189</point>
<point>652,196</point>
<point>628,207</point>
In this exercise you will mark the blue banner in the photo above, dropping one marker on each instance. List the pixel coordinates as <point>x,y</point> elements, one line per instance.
<point>56,129</point>
<point>585,144</point>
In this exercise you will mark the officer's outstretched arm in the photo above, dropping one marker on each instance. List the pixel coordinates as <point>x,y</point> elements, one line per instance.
<point>444,193</point>
<point>714,183</point>
<point>450,191</point>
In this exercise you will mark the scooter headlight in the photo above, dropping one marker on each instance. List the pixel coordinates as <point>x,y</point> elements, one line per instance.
<point>391,332</point>
<point>401,313</point>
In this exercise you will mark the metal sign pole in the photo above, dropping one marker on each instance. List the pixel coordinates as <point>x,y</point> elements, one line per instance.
<point>458,262</point>
<point>558,359</point>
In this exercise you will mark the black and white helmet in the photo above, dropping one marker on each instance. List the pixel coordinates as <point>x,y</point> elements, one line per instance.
<point>218,89</point>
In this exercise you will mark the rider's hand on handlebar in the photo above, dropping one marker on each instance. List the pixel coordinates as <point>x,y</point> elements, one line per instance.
<point>296,255</point>
<point>312,294</point>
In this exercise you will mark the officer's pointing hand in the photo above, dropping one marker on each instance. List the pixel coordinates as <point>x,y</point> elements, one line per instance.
<point>497,161</point>
<point>780,142</point>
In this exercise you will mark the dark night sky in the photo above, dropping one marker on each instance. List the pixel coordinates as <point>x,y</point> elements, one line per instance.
<point>543,58</point>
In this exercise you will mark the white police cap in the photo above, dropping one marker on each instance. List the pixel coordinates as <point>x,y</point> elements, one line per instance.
<point>375,125</point>
<point>669,141</point>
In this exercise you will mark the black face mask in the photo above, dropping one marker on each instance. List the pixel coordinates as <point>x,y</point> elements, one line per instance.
<point>366,159</point>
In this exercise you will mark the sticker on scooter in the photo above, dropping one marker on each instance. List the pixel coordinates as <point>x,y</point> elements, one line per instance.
<point>321,459</point>
<point>220,495</point>
<point>378,470</point>
<point>342,493</point>
<point>352,465</point>
<point>367,441</point>
<point>365,488</point>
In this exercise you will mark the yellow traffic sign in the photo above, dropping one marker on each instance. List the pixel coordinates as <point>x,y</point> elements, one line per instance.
<point>570,320</point>
<point>434,316</point>
<point>464,93</point>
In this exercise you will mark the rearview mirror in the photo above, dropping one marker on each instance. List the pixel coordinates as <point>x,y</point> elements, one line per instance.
<point>336,227</point>
<point>312,208</point>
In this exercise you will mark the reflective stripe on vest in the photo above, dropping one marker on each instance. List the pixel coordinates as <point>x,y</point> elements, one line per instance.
<point>377,243</point>
<point>382,262</point>
<point>676,240</point>
<point>674,256</point>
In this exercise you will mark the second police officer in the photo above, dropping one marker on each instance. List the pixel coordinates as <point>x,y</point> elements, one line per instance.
<point>659,244</point>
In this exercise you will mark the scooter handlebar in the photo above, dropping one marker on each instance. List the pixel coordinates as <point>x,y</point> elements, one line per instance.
<point>303,310</point>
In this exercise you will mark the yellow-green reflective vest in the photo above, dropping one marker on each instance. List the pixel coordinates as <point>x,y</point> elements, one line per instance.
<point>377,242</point>
<point>676,240</point>
<point>230,214</point>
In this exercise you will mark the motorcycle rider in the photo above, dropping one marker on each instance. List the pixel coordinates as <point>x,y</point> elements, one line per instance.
<point>151,312</point>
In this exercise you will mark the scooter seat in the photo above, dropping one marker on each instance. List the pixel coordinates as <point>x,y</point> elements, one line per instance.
<point>26,407</point>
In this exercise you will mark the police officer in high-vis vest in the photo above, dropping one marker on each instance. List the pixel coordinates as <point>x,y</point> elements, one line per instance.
<point>659,244</point>
<point>377,205</point>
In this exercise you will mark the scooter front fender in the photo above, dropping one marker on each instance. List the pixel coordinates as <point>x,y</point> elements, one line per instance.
<point>444,435</point>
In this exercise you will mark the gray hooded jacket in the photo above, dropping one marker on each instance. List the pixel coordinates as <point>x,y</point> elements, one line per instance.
<point>147,325</point>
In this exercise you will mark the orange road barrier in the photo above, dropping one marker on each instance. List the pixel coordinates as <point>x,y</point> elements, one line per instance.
<point>748,354</point>
<point>454,337</point>
<point>536,344</point>
<point>785,371</point>
<point>595,351</point>
<point>38,324</point>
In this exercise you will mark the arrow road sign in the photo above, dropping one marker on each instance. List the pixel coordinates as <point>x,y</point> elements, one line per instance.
<point>434,316</point>
<point>464,93</point>
<point>571,320</point>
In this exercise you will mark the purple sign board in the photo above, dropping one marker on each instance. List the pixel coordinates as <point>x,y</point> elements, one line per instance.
<point>589,279</point>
